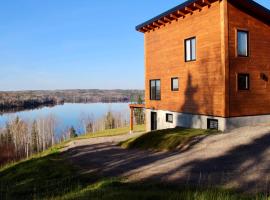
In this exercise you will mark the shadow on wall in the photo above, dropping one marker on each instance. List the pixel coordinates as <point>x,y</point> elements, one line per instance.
<point>190,104</point>
<point>202,93</point>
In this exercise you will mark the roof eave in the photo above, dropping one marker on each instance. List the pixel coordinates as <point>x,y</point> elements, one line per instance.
<point>248,6</point>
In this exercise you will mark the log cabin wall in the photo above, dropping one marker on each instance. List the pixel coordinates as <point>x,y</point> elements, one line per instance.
<point>202,85</point>
<point>256,100</point>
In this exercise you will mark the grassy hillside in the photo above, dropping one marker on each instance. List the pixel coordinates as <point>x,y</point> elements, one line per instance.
<point>113,132</point>
<point>51,176</point>
<point>169,139</point>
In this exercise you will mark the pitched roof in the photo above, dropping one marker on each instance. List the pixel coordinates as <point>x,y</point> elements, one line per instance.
<point>249,6</point>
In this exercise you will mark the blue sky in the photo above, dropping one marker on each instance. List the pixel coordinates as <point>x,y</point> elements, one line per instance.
<point>70,44</point>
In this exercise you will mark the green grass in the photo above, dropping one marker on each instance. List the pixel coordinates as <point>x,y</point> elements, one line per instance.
<point>113,132</point>
<point>51,176</point>
<point>169,139</point>
<point>112,189</point>
<point>38,177</point>
<point>58,147</point>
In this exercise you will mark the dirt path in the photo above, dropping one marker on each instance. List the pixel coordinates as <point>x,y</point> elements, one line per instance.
<point>239,159</point>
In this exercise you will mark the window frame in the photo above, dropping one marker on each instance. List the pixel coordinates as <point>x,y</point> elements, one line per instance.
<point>238,86</point>
<point>155,98</point>
<point>172,88</point>
<point>190,50</point>
<point>248,43</point>
<point>167,118</point>
<point>209,121</point>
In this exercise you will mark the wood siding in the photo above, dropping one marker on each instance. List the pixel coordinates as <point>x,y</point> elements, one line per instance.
<point>202,85</point>
<point>256,101</point>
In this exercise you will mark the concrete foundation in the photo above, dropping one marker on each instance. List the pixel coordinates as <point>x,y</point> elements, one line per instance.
<point>201,121</point>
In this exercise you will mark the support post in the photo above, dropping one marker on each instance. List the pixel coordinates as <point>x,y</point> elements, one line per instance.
<point>131,119</point>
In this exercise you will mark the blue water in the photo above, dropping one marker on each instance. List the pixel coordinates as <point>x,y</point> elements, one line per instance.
<point>69,114</point>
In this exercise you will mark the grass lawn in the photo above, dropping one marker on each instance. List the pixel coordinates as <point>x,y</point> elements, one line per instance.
<point>112,189</point>
<point>113,132</point>
<point>38,177</point>
<point>169,139</point>
<point>52,177</point>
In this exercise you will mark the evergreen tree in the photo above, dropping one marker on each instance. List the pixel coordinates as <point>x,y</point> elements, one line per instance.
<point>72,132</point>
<point>8,134</point>
<point>131,99</point>
<point>89,127</point>
<point>34,137</point>
<point>138,112</point>
<point>109,121</point>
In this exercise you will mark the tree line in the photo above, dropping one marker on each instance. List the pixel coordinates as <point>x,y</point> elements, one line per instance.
<point>16,104</point>
<point>10,101</point>
<point>21,139</point>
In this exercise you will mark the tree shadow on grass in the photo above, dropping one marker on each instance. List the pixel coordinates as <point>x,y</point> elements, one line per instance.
<point>244,167</point>
<point>53,175</point>
<point>42,177</point>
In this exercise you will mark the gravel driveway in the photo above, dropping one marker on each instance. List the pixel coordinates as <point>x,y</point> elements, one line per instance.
<point>239,159</point>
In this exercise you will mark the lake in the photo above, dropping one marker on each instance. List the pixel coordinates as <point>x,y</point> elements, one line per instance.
<point>69,114</point>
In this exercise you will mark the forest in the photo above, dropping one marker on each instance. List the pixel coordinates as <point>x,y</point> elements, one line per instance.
<point>20,138</point>
<point>20,100</point>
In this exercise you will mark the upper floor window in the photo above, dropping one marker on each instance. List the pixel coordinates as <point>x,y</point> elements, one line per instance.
<point>242,43</point>
<point>155,93</point>
<point>243,81</point>
<point>190,49</point>
<point>174,84</point>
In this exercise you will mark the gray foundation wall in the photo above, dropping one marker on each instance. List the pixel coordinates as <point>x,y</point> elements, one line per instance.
<point>200,121</point>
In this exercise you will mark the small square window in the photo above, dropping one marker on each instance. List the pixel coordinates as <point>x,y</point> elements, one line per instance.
<point>243,81</point>
<point>174,84</point>
<point>169,118</point>
<point>212,124</point>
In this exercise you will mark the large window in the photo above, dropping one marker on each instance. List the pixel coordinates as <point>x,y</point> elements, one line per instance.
<point>242,43</point>
<point>243,81</point>
<point>155,93</point>
<point>190,49</point>
<point>174,84</point>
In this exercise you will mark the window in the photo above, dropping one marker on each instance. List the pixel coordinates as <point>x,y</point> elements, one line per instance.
<point>243,81</point>
<point>242,43</point>
<point>174,84</point>
<point>190,49</point>
<point>169,118</point>
<point>212,124</point>
<point>155,90</point>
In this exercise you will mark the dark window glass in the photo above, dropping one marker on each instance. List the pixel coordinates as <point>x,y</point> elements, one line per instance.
<point>212,124</point>
<point>152,90</point>
<point>155,93</point>
<point>242,43</point>
<point>158,93</point>
<point>174,84</point>
<point>169,118</point>
<point>243,81</point>
<point>190,49</point>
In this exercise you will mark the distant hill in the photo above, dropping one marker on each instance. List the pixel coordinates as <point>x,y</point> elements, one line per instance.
<point>32,99</point>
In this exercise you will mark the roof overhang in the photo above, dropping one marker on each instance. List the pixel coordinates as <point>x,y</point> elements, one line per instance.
<point>253,9</point>
<point>190,6</point>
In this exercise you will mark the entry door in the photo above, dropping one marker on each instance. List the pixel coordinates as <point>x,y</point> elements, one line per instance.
<point>153,121</point>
